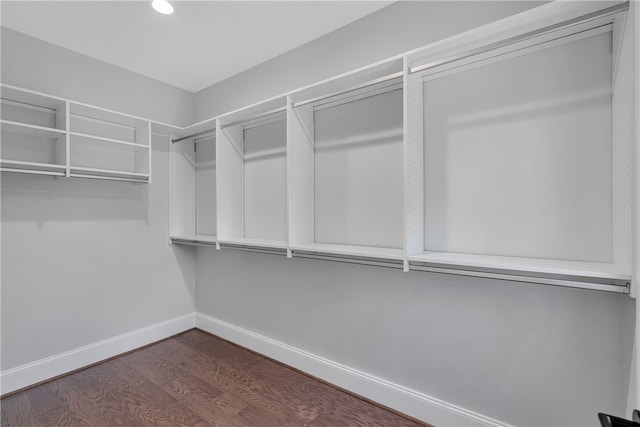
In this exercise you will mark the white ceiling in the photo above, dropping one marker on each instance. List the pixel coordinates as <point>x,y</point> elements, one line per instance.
<point>202,43</point>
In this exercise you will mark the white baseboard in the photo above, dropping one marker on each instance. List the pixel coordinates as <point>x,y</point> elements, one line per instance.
<point>415,404</point>
<point>50,367</point>
<point>405,400</point>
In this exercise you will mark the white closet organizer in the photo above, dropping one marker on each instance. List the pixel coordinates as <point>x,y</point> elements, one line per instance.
<point>518,154</point>
<point>193,186</point>
<point>252,176</point>
<point>108,145</point>
<point>48,135</point>
<point>34,133</point>
<point>345,164</point>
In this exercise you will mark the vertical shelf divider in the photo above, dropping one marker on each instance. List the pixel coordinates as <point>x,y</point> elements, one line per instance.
<point>229,158</point>
<point>67,140</point>
<point>413,162</point>
<point>300,146</point>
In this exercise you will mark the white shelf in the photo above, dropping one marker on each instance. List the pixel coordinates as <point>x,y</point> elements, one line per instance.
<point>107,173</point>
<point>31,130</point>
<point>110,140</point>
<point>106,144</point>
<point>251,172</point>
<point>348,250</point>
<point>523,265</point>
<point>81,134</point>
<point>92,113</point>
<point>259,243</point>
<point>205,238</point>
<point>32,98</point>
<point>359,79</point>
<point>254,112</point>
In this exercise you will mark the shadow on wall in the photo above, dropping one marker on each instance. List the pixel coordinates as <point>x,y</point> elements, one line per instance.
<point>186,258</point>
<point>629,354</point>
<point>44,199</point>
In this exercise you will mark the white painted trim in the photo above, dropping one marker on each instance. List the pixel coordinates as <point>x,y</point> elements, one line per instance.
<point>50,367</point>
<point>403,399</point>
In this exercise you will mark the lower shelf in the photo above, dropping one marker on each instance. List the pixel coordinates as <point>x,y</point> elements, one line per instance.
<point>348,250</point>
<point>258,243</point>
<point>194,240</point>
<point>530,266</point>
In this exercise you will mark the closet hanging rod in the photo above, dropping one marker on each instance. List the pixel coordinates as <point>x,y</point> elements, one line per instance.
<point>619,287</point>
<point>350,89</point>
<point>255,117</point>
<point>346,259</point>
<point>33,172</point>
<point>193,135</point>
<point>108,178</point>
<point>523,37</point>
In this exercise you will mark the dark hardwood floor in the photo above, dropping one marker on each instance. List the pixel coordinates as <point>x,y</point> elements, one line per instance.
<point>193,379</point>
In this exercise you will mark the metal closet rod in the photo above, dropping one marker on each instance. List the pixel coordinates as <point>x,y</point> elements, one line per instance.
<point>108,178</point>
<point>396,265</point>
<point>612,285</point>
<point>608,286</point>
<point>193,135</point>
<point>349,89</point>
<point>254,117</point>
<point>222,126</point>
<point>595,15</point>
<point>523,37</point>
<point>33,172</point>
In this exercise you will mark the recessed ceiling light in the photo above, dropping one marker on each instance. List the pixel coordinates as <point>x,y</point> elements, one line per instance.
<point>162,6</point>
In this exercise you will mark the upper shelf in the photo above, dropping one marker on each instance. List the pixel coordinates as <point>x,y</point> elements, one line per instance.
<point>31,98</point>
<point>255,112</point>
<point>543,19</point>
<point>377,73</point>
<point>105,115</point>
<point>30,120</point>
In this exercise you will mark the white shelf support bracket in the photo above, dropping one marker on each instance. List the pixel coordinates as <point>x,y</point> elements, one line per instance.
<point>67,139</point>
<point>405,266</point>
<point>289,253</point>
<point>218,247</point>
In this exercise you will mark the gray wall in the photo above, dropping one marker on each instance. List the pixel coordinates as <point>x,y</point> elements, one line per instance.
<point>37,65</point>
<point>524,354</point>
<point>86,260</point>
<point>529,355</point>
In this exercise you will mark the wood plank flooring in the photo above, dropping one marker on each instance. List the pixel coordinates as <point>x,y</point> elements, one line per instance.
<point>193,379</point>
